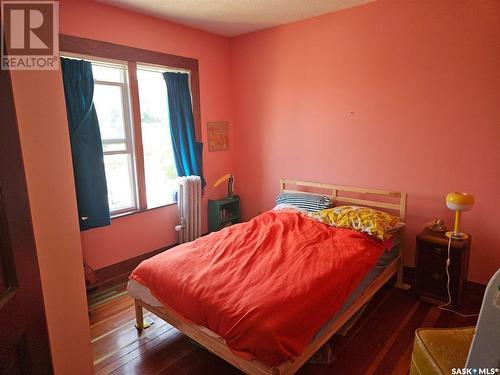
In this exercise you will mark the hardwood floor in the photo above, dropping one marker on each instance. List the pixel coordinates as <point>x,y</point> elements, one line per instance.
<point>380,342</point>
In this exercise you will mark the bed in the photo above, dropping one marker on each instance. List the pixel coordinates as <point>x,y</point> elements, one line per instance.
<point>343,305</point>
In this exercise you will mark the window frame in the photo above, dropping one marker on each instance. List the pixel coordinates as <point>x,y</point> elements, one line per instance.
<point>132,57</point>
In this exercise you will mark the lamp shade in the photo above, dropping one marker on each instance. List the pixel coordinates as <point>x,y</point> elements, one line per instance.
<point>459,201</point>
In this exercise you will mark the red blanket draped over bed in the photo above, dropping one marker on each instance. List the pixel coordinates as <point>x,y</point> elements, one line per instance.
<point>265,286</point>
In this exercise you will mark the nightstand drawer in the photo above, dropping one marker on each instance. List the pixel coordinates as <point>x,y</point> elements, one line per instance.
<point>434,283</point>
<point>434,251</point>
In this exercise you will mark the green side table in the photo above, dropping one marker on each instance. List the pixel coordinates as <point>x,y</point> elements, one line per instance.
<point>223,213</point>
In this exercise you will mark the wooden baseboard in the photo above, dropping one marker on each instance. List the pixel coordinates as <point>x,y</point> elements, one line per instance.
<point>475,289</point>
<point>471,288</point>
<point>120,271</point>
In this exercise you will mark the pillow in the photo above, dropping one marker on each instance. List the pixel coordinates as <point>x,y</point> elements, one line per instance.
<point>308,202</point>
<point>363,219</point>
<point>287,206</point>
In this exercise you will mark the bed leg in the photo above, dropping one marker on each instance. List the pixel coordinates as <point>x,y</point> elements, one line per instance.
<point>400,282</point>
<point>139,317</point>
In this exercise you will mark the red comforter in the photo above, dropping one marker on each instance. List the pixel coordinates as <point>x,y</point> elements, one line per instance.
<point>265,286</point>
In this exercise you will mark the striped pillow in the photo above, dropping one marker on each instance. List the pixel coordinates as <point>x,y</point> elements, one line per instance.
<point>310,203</point>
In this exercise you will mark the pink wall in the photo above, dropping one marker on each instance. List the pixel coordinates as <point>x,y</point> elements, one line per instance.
<point>137,234</point>
<point>399,95</point>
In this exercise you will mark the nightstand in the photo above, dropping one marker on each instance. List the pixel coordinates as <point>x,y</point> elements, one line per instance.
<point>223,212</point>
<point>430,267</point>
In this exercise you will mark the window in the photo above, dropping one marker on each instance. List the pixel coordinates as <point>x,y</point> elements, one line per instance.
<point>112,104</point>
<point>131,101</point>
<point>111,101</point>
<point>159,165</point>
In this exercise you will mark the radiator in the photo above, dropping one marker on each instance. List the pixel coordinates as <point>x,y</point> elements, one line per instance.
<point>189,208</point>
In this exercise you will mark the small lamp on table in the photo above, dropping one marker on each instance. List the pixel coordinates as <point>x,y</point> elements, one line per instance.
<point>459,202</point>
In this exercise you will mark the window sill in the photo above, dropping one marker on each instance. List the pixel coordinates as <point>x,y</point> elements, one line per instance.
<point>138,211</point>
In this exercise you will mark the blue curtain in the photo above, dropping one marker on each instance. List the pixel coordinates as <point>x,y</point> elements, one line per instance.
<point>86,144</point>
<point>187,152</point>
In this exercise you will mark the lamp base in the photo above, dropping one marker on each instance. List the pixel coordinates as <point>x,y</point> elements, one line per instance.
<point>457,235</point>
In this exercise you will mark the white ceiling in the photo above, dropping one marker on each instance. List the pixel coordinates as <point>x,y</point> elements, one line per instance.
<point>234,17</point>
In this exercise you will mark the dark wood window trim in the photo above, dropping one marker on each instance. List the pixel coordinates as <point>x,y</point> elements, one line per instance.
<point>69,43</point>
<point>134,56</point>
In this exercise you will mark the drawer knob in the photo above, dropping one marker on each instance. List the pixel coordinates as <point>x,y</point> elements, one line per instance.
<point>437,276</point>
<point>438,250</point>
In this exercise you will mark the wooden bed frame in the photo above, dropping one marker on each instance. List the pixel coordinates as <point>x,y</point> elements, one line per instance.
<point>339,194</point>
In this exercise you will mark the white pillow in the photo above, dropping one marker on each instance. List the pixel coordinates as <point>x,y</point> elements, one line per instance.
<point>288,206</point>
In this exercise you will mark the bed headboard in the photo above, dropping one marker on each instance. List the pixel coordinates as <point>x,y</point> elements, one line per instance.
<point>381,199</point>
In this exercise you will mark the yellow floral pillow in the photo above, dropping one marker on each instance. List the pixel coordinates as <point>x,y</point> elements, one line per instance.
<point>362,219</point>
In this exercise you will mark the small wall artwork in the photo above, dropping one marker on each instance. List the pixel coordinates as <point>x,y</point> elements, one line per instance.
<point>218,138</point>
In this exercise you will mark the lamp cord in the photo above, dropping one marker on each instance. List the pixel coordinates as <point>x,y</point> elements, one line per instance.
<point>443,306</point>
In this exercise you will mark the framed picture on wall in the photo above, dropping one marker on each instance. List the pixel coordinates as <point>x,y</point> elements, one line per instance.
<point>218,137</point>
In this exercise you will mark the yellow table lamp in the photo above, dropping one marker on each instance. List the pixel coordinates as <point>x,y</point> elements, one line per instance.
<point>459,202</point>
<point>230,183</point>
